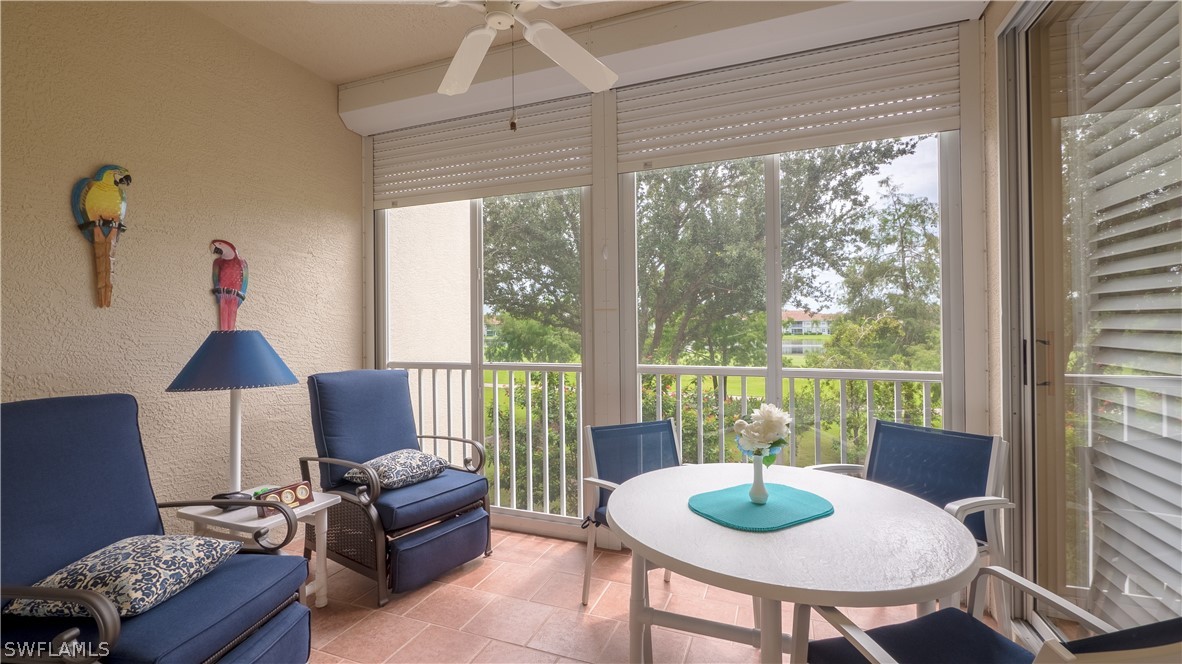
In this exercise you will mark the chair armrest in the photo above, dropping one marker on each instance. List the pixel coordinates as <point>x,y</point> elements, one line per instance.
<point>966,506</point>
<point>854,634</point>
<point>977,598</point>
<point>260,535</point>
<point>101,609</point>
<point>477,451</point>
<point>602,484</point>
<point>841,468</point>
<point>365,493</point>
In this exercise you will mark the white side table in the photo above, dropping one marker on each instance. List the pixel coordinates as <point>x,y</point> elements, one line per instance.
<point>240,524</point>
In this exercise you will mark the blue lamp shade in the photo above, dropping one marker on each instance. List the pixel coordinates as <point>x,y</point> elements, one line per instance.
<point>231,360</point>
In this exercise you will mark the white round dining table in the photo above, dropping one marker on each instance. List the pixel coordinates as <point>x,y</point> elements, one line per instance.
<point>880,547</point>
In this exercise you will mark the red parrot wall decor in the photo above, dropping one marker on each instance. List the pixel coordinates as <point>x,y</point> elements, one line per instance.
<point>100,204</point>
<point>230,276</point>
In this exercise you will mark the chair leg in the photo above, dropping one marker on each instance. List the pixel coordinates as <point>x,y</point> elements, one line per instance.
<point>924,608</point>
<point>668,575</point>
<point>382,564</point>
<point>755,610</point>
<point>590,558</point>
<point>488,540</point>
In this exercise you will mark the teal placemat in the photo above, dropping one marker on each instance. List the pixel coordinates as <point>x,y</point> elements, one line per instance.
<point>785,507</point>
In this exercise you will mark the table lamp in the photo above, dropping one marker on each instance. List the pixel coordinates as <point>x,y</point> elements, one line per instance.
<point>233,360</point>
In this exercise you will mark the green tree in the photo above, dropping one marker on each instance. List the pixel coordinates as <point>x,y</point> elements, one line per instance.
<point>823,213</point>
<point>532,267</point>
<point>699,237</point>
<point>700,247</point>
<point>891,292</point>
<point>527,340</point>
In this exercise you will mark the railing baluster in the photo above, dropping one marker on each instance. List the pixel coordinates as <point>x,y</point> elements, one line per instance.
<point>464,373</point>
<point>679,415</point>
<point>743,397</point>
<point>720,390</point>
<point>448,383</point>
<point>927,404</point>
<point>817,420</point>
<point>792,415</point>
<point>529,440</point>
<point>841,415</point>
<point>435,409</point>
<point>701,425</point>
<point>496,415</point>
<point>422,406</point>
<point>899,401</point>
<point>660,406</point>
<point>562,436</point>
<point>546,442</point>
<point>512,441</point>
<point>869,407</point>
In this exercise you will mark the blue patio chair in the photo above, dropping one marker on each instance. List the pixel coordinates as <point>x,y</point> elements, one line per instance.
<point>616,454</point>
<point>73,480</point>
<point>952,635</point>
<point>403,538</point>
<point>960,472</point>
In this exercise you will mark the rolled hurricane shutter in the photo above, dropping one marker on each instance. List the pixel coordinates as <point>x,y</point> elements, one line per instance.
<point>899,85</point>
<point>479,155</point>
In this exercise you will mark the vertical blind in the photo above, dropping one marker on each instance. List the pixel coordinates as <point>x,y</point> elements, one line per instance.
<point>903,84</point>
<point>1120,107</point>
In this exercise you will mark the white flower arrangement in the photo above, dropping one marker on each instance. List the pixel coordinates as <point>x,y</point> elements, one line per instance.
<point>765,434</point>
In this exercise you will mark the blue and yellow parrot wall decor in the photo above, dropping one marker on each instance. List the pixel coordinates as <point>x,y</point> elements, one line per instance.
<point>100,204</point>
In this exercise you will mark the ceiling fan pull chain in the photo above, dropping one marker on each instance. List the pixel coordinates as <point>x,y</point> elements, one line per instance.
<point>513,78</point>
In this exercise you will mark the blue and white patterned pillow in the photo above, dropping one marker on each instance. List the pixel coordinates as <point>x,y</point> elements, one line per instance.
<point>401,468</point>
<point>136,574</point>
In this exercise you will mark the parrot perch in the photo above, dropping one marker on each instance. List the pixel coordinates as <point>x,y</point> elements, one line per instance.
<point>99,203</point>
<point>229,282</point>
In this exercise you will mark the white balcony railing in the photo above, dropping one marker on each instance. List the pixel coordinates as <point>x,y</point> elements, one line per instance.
<point>534,442</point>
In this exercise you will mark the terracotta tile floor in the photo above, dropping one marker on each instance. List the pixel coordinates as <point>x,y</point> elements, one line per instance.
<point>523,605</point>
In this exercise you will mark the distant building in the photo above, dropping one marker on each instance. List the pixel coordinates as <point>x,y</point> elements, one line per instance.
<point>797,321</point>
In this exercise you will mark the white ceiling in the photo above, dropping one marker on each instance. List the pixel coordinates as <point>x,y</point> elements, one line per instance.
<point>343,42</point>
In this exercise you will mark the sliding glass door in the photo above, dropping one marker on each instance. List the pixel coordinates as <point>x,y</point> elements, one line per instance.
<point>1106,277</point>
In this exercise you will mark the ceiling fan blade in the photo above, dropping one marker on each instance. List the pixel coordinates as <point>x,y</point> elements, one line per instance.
<point>566,53</point>
<point>467,60</point>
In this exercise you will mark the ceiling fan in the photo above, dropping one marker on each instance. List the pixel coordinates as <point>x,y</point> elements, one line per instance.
<point>545,36</point>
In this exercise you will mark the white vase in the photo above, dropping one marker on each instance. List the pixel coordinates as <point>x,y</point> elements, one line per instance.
<point>758,492</point>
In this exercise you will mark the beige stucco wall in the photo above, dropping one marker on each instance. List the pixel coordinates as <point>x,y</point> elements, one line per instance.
<point>224,139</point>
<point>995,13</point>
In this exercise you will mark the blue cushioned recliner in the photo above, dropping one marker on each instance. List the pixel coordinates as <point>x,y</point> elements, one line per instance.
<point>73,479</point>
<point>403,537</point>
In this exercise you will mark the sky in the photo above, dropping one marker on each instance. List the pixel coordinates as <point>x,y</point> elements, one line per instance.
<point>917,174</point>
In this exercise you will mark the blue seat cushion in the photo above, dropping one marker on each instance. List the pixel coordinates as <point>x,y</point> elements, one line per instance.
<point>194,624</point>
<point>600,515</point>
<point>285,638</point>
<point>412,505</point>
<point>948,635</point>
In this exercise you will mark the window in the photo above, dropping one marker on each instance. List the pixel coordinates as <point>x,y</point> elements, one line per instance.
<point>850,324</point>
